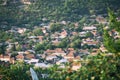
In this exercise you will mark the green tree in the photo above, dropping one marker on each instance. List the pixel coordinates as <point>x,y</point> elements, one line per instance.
<point>37,31</point>
<point>49,46</point>
<point>18,47</point>
<point>76,44</point>
<point>39,47</point>
<point>2,48</point>
<point>110,43</point>
<point>13,47</point>
<point>56,27</point>
<point>63,43</point>
<point>114,24</point>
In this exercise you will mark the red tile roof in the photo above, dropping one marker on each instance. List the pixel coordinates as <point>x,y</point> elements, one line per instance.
<point>30,56</point>
<point>20,56</point>
<point>71,49</point>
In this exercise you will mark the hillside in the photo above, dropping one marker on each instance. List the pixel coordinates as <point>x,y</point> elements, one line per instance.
<point>60,39</point>
<point>15,13</point>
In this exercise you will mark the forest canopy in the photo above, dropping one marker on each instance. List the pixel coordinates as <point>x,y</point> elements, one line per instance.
<point>16,13</point>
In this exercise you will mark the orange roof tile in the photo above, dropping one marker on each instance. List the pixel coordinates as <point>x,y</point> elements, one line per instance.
<point>20,56</point>
<point>71,49</point>
<point>30,56</point>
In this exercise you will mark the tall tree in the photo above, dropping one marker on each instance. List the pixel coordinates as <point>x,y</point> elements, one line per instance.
<point>2,48</point>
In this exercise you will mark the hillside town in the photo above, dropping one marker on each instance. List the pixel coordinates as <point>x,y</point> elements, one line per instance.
<point>44,47</point>
<point>59,40</point>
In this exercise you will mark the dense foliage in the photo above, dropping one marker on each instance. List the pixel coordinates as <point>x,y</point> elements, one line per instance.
<point>16,14</point>
<point>100,67</point>
<point>112,44</point>
<point>104,66</point>
<point>18,71</point>
<point>71,9</point>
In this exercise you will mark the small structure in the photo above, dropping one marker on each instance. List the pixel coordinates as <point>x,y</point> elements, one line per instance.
<point>62,61</point>
<point>33,74</point>
<point>42,65</point>
<point>89,28</point>
<point>5,58</point>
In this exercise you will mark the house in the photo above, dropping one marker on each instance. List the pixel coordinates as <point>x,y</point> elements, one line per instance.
<point>47,26</point>
<point>29,52</point>
<point>45,76</point>
<point>46,34</point>
<point>1,77</point>
<point>27,1</point>
<point>59,52</point>
<point>89,42</point>
<point>56,52</point>
<point>70,56</point>
<point>42,65</point>
<point>82,34</point>
<point>20,57</point>
<point>114,33</point>
<point>12,60</point>
<point>94,32</point>
<point>12,31</point>
<point>76,66</point>
<point>103,49</point>
<point>21,52</point>
<point>93,53</point>
<point>63,22</point>
<point>1,44</point>
<point>44,55</point>
<point>117,37</point>
<point>84,52</point>
<point>106,28</point>
<point>10,45</point>
<point>76,24</point>
<point>70,49</point>
<point>94,43</point>
<point>25,56</point>
<point>5,58</point>
<point>74,33</point>
<point>44,30</point>
<point>63,34</point>
<point>55,35</point>
<point>40,38</point>
<point>55,42</point>
<point>29,56</point>
<point>77,58</point>
<point>61,61</point>
<point>33,61</point>
<point>101,19</point>
<point>48,51</point>
<point>21,30</point>
<point>34,38</point>
<point>61,66</point>
<point>89,28</point>
<point>44,19</point>
<point>118,18</point>
<point>50,57</point>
